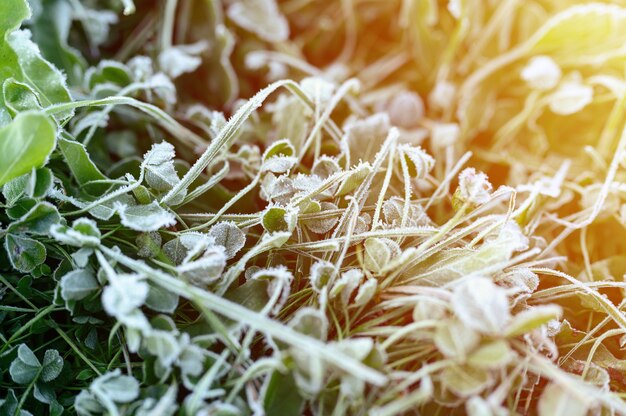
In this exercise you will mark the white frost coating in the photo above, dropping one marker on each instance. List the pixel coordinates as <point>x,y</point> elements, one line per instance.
<point>442,96</point>
<point>541,73</point>
<point>181,59</point>
<point>124,294</point>
<point>444,134</point>
<point>318,88</point>
<point>481,305</point>
<point>570,98</point>
<point>474,187</point>
<point>149,217</point>
<point>207,269</point>
<point>261,17</point>
<point>406,110</point>
<point>228,235</point>
<point>455,8</point>
<point>422,161</point>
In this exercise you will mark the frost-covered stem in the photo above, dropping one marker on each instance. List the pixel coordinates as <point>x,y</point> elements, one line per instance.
<point>245,316</point>
<point>169,16</point>
<point>165,120</point>
<point>384,187</point>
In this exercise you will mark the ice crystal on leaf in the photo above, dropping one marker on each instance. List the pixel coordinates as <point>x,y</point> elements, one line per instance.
<point>422,213</point>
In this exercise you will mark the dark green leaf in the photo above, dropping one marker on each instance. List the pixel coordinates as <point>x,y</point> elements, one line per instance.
<point>25,143</point>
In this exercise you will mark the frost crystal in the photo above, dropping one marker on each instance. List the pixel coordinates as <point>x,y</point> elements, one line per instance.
<point>541,73</point>
<point>474,187</point>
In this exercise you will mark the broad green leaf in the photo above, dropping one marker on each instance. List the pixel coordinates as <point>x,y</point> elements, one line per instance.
<point>465,381</point>
<point>377,254</point>
<point>278,219</point>
<point>148,244</point>
<point>8,405</point>
<point>151,217</point>
<point>83,233</point>
<point>52,365</point>
<point>44,393</point>
<point>532,318</point>
<point>206,269</point>
<point>51,31</point>
<point>582,33</point>
<point>228,235</point>
<point>79,162</point>
<point>37,221</point>
<point>321,274</point>
<point>19,97</point>
<point>557,400</point>
<point>280,396</point>
<point>25,144</point>
<point>25,368</point>
<point>252,295</point>
<point>161,300</point>
<point>455,339</point>
<point>42,182</point>
<point>481,305</point>
<point>78,284</point>
<point>12,13</point>
<point>117,387</point>
<point>15,189</point>
<point>24,253</point>
<point>47,81</point>
<point>160,172</point>
<point>494,355</point>
<point>354,180</point>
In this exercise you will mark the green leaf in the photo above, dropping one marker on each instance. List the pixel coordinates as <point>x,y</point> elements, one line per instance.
<point>557,400</point>
<point>51,30</point>
<point>161,300</point>
<point>12,12</point>
<point>494,355</point>
<point>79,162</point>
<point>25,367</point>
<point>44,393</point>
<point>24,253</point>
<point>160,172</point>
<point>355,178</point>
<point>532,318</point>
<point>228,235</point>
<point>37,221</point>
<point>149,217</point>
<point>377,254</point>
<point>78,284</point>
<point>25,144</point>
<point>280,396</point>
<point>279,157</point>
<point>83,233</point>
<point>42,183</point>
<point>47,81</point>
<point>52,365</point>
<point>252,295</point>
<point>148,244</point>
<point>119,388</point>
<point>19,97</point>
<point>15,189</point>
